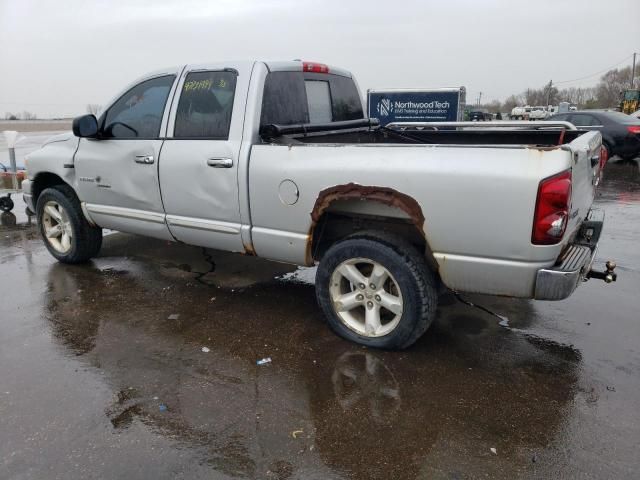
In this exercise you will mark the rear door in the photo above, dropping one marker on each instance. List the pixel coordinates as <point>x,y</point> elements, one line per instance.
<point>199,163</point>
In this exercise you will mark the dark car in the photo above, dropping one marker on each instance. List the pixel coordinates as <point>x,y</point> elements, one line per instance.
<point>620,132</point>
<point>479,116</point>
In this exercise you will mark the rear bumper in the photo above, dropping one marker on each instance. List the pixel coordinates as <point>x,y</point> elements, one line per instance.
<point>629,146</point>
<point>574,264</point>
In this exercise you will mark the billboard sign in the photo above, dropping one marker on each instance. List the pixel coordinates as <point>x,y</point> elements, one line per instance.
<point>441,105</point>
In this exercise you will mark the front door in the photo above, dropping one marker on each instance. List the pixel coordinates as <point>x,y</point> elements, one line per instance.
<point>199,161</point>
<point>117,174</point>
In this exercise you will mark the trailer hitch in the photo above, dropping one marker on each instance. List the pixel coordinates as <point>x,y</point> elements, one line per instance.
<point>608,275</point>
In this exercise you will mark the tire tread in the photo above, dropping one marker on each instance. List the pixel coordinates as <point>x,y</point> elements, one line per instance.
<point>419,269</point>
<point>424,279</point>
<point>88,239</point>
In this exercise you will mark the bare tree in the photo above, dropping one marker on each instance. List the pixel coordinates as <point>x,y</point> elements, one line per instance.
<point>547,95</point>
<point>493,106</point>
<point>93,108</point>
<point>10,116</point>
<point>28,115</point>
<point>577,95</point>
<point>606,94</point>
<point>611,85</point>
<point>512,101</point>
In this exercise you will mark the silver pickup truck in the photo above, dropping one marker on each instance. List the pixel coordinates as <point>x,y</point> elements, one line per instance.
<point>276,159</point>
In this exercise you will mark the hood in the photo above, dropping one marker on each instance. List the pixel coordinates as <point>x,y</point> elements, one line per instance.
<point>63,137</point>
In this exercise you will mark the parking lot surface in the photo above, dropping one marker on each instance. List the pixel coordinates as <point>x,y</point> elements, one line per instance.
<point>142,364</point>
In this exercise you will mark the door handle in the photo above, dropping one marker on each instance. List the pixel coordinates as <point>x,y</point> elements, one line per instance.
<point>144,159</point>
<point>220,162</point>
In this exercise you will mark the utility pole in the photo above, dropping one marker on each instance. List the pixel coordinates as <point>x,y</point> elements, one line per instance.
<point>633,70</point>
<point>479,98</point>
<point>549,93</point>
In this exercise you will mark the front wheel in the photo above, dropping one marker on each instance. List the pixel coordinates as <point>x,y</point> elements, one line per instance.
<point>66,233</point>
<point>376,290</point>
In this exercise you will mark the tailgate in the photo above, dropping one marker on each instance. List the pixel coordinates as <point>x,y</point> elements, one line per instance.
<point>585,170</point>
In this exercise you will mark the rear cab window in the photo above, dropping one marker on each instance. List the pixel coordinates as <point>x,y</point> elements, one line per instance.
<point>309,98</point>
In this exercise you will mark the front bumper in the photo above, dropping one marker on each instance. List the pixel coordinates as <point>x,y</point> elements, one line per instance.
<point>26,194</point>
<point>574,264</point>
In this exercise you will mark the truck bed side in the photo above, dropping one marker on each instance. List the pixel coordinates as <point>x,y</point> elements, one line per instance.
<point>478,203</point>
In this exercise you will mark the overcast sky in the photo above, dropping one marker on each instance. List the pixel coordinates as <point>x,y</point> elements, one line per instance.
<point>58,56</point>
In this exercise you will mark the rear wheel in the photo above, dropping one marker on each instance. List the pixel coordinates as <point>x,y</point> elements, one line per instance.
<point>376,290</point>
<point>66,233</point>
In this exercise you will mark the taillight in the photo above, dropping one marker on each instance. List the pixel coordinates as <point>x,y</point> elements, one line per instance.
<point>552,209</point>
<point>315,67</point>
<point>604,156</point>
<point>634,129</point>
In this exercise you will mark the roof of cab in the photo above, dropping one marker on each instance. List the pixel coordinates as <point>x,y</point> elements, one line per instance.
<point>272,65</point>
<point>296,66</point>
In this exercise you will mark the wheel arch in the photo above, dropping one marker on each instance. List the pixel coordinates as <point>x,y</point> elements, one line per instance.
<point>342,210</point>
<point>44,180</point>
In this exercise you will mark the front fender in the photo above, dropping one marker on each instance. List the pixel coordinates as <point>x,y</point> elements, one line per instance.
<point>55,156</point>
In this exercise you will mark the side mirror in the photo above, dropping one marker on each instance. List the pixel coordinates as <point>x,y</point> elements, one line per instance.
<point>85,126</point>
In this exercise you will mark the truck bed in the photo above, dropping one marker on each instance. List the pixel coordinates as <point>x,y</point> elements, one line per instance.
<point>475,187</point>
<point>536,134</point>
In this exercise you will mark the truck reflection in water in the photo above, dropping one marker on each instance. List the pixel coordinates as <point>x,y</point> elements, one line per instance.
<point>361,380</point>
<point>7,219</point>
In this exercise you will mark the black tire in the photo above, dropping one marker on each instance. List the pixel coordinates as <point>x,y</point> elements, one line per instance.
<point>417,285</point>
<point>86,240</point>
<point>6,204</point>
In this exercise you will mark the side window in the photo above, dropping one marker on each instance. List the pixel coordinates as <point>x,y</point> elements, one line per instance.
<point>138,113</point>
<point>582,120</point>
<point>205,106</point>
<point>593,121</point>
<point>576,120</point>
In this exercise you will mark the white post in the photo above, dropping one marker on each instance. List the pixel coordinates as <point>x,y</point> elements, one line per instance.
<point>12,138</point>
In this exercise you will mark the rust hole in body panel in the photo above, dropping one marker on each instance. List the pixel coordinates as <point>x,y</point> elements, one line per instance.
<point>249,250</point>
<point>385,195</point>
<point>351,191</point>
<point>543,148</point>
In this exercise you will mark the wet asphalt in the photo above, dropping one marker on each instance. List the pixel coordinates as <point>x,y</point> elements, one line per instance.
<point>103,373</point>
